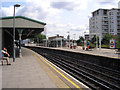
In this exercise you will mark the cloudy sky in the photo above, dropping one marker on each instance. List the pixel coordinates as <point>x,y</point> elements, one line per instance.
<point>61,16</point>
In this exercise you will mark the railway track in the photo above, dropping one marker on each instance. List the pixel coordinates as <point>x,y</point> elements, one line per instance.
<point>94,76</point>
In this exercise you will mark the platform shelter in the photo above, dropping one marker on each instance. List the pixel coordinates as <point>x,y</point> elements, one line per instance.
<point>27,27</point>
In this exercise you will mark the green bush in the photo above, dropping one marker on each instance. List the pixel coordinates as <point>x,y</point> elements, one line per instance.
<point>117,44</point>
<point>92,45</point>
<point>105,46</point>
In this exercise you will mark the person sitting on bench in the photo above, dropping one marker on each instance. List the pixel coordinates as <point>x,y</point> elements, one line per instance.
<point>5,55</point>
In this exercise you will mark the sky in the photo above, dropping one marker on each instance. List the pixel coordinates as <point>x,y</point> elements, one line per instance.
<point>61,16</point>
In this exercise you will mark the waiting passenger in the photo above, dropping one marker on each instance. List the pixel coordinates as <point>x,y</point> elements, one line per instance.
<point>5,55</point>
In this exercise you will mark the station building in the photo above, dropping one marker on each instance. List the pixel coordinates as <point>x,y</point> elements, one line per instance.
<point>57,41</point>
<point>27,27</point>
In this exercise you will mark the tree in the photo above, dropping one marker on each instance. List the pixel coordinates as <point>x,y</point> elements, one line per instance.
<point>117,41</point>
<point>39,37</point>
<point>80,41</point>
<point>106,39</point>
<point>93,40</point>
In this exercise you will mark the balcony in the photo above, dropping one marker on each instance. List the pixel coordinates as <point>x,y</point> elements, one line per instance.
<point>105,23</point>
<point>105,28</point>
<point>118,13</point>
<point>118,23</point>
<point>105,19</point>
<point>118,27</point>
<point>118,19</point>
<point>118,30</point>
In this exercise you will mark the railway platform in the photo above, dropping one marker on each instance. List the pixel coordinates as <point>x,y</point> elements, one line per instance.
<point>34,71</point>
<point>110,53</point>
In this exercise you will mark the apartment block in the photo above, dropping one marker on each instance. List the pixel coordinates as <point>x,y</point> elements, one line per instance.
<point>104,21</point>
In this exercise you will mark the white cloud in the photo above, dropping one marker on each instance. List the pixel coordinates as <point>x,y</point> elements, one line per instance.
<point>34,9</point>
<point>106,3</point>
<point>61,16</point>
<point>69,4</point>
<point>7,11</point>
<point>38,10</point>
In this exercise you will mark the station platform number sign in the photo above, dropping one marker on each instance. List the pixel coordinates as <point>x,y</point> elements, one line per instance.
<point>112,43</point>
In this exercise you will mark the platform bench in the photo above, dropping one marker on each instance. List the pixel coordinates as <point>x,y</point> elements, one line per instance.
<point>1,59</point>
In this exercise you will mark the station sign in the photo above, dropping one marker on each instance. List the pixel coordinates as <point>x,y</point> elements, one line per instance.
<point>112,43</point>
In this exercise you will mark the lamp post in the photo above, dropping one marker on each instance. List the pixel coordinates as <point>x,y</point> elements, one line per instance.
<point>100,42</point>
<point>16,5</point>
<point>99,35</point>
<point>57,36</point>
<point>96,39</point>
<point>61,42</point>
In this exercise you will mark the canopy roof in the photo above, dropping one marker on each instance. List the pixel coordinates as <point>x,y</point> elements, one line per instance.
<point>29,26</point>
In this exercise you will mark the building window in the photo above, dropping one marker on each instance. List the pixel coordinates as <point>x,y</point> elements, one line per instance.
<point>110,26</point>
<point>109,13</point>
<point>105,12</point>
<point>111,30</point>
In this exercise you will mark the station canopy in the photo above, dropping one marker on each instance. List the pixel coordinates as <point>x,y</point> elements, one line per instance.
<point>29,26</point>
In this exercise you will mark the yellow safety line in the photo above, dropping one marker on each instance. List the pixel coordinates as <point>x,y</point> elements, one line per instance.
<point>58,82</point>
<point>61,74</point>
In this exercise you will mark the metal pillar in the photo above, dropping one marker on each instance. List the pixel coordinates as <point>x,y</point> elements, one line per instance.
<point>69,38</point>
<point>20,35</point>
<point>0,38</point>
<point>96,41</point>
<point>61,42</point>
<point>69,42</point>
<point>0,56</point>
<point>14,35</point>
<point>56,43</point>
<point>99,42</point>
<point>20,45</point>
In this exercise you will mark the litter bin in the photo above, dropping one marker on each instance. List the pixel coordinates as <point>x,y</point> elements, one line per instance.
<point>83,48</point>
<point>86,49</point>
